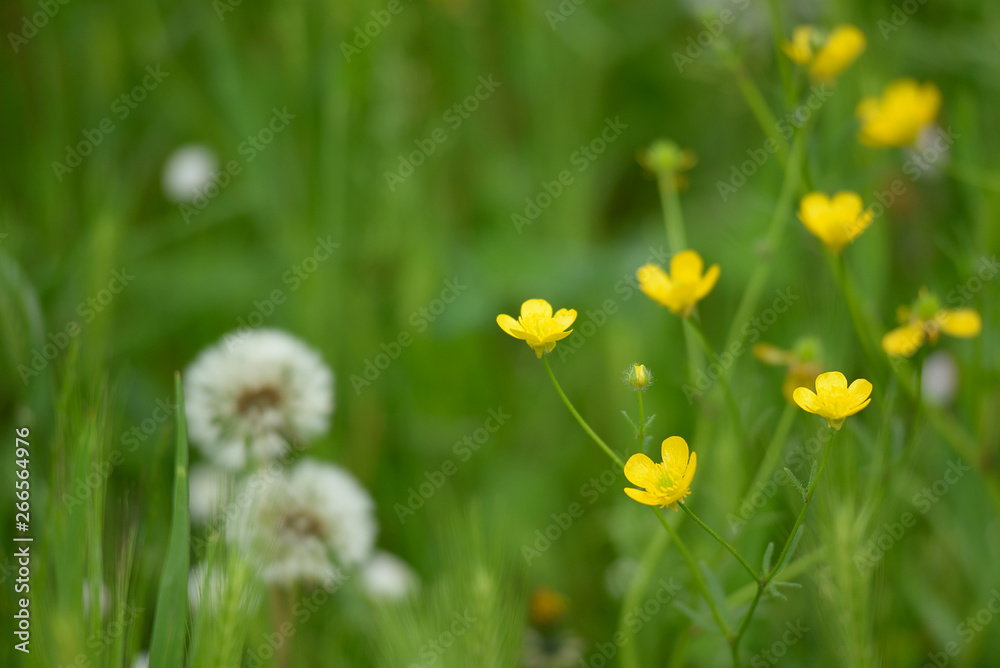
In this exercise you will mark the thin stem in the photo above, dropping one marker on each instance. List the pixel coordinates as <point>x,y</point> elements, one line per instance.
<point>774,447</point>
<point>650,558</point>
<point>861,328</point>
<point>583,423</point>
<point>758,105</point>
<point>722,541</point>
<point>642,424</point>
<point>774,13</point>
<point>695,573</point>
<point>802,513</point>
<point>723,380</point>
<point>768,577</point>
<point>673,217</point>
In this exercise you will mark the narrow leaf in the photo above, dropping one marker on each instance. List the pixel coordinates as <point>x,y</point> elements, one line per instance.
<point>796,483</point>
<point>169,625</point>
<point>768,553</point>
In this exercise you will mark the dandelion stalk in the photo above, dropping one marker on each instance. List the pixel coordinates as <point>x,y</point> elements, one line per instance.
<point>579,418</point>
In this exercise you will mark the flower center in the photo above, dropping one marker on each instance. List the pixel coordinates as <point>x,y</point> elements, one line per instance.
<point>301,522</point>
<point>258,400</point>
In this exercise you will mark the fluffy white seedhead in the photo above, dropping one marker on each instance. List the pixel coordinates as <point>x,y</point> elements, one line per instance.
<point>188,171</point>
<point>255,395</point>
<point>307,523</point>
<point>386,576</point>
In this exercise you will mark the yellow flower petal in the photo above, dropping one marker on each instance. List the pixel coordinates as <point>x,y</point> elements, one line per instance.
<point>642,497</point>
<point>706,284</point>
<point>654,282</point>
<point>860,390</point>
<point>963,322</point>
<point>831,381</point>
<point>799,50</point>
<point>806,399</point>
<point>536,307</point>
<point>564,317</point>
<point>689,472</point>
<point>511,326</point>
<point>904,341</point>
<point>640,470</point>
<point>842,48</point>
<point>674,452</point>
<point>686,267</point>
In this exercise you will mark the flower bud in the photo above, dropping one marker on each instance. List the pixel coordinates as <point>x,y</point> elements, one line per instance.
<point>639,377</point>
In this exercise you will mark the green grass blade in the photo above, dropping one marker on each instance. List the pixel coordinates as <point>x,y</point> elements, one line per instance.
<point>169,632</point>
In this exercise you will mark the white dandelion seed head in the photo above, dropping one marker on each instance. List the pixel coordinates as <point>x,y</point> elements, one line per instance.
<point>386,576</point>
<point>256,394</point>
<point>308,522</point>
<point>187,171</point>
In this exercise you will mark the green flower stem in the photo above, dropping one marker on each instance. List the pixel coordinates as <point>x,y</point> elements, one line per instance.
<point>768,577</point>
<point>654,552</point>
<point>776,229</point>
<point>673,221</point>
<point>862,328</point>
<point>642,424</point>
<point>695,573</point>
<point>673,217</point>
<point>723,380</point>
<point>758,105</point>
<point>583,423</point>
<point>774,13</point>
<point>721,540</point>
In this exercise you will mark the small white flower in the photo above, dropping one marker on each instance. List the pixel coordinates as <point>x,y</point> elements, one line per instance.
<point>141,660</point>
<point>255,395</point>
<point>308,522</point>
<point>188,171</point>
<point>386,576</point>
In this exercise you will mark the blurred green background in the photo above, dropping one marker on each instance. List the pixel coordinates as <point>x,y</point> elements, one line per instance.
<point>227,67</point>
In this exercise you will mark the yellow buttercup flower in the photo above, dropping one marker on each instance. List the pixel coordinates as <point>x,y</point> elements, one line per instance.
<point>665,484</point>
<point>925,322</point>
<point>537,326</point>
<point>833,399</point>
<point>835,221</point>
<point>686,285</point>
<point>896,118</point>
<point>826,57</point>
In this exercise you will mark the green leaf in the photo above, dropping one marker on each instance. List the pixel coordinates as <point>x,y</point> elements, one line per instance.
<point>169,625</point>
<point>791,548</point>
<point>796,483</point>
<point>635,428</point>
<point>768,553</point>
<point>715,588</point>
<point>812,474</point>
